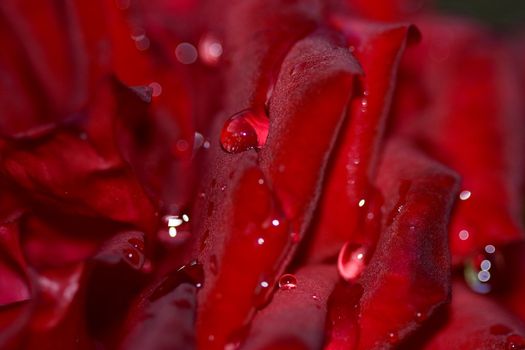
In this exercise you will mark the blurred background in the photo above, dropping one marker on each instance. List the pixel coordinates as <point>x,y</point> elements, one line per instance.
<point>505,14</point>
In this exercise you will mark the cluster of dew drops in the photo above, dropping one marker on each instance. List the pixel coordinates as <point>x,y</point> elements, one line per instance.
<point>248,129</point>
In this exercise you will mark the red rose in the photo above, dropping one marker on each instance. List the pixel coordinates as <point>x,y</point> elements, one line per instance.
<point>259,175</point>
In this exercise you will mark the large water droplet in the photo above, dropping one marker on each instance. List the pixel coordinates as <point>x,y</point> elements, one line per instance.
<point>287,282</point>
<point>244,130</point>
<point>352,261</point>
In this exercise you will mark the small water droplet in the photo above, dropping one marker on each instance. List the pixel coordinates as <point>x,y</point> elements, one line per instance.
<point>210,49</point>
<point>287,282</point>
<point>419,317</point>
<point>352,261</point>
<point>296,238</point>
<point>243,131</point>
<point>260,241</point>
<point>464,195</point>
<point>515,342</point>
<point>137,244</point>
<point>133,256</point>
<point>316,297</point>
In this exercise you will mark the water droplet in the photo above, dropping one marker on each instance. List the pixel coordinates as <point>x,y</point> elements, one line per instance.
<point>419,317</point>
<point>133,256</point>
<point>186,53</point>
<point>275,222</point>
<point>464,195</point>
<point>515,342</point>
<point>260,241</point>
<point>296,238</point>
<point>316,297</point>
<point>500,329</point>
<point>287,282</point>
<point>191,273</point>
<point>482,270</point>
<point>243,131</point>
<point>137,244</point>
<point>210,49</point>
<point>352,261</point>
<point>361,203</point>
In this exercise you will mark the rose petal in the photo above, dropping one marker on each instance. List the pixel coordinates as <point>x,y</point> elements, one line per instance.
<point>475,322</point>
<point>473,124</point>
<point>407,278</point>
<point>295,317</point>
<point>378,47</point>
<point>232,226</point>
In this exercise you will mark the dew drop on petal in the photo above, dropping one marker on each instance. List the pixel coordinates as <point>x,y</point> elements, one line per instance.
<point>464,195</point>
<point>515,342</point>
<point>133,256</point>
<point>137,244</point>
<point>352,261</point>
<point>244,130</point>
<point>287,282</point>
